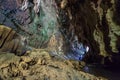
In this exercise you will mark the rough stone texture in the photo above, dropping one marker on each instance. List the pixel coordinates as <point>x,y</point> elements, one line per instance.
<point>95,23</point>
<point>10,10</point>
<point>38,65</point>
<point>37,28</point>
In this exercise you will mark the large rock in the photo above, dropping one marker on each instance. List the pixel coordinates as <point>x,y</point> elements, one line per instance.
<point>39,65</point>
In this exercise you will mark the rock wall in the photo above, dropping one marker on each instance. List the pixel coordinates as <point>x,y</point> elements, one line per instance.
<point>96,24</point>
<point>10,11</point>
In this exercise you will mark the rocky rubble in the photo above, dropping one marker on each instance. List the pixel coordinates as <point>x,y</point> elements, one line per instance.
<point>38,65</point>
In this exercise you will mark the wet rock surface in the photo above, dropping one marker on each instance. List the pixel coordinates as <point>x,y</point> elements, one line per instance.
<point>38,65</point>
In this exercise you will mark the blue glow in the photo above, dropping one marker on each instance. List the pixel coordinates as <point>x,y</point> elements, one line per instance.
<point>77,51</point>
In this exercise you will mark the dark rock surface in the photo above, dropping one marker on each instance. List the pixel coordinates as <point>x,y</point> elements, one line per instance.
<point>10,10</point>
<point>94,22</point>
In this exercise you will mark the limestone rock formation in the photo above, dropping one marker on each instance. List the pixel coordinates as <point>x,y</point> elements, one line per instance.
<point>95,23</point>
<point>38,65</point>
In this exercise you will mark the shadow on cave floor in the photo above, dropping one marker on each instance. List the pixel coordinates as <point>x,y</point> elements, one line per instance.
<point>111,73</point>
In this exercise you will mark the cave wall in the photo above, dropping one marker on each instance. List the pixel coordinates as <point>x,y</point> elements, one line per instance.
<point>10,11</point>
<point>96,24</point>
<point>36,23</point>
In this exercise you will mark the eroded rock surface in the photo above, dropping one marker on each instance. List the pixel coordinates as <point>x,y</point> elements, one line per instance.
<point>38,65</point>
